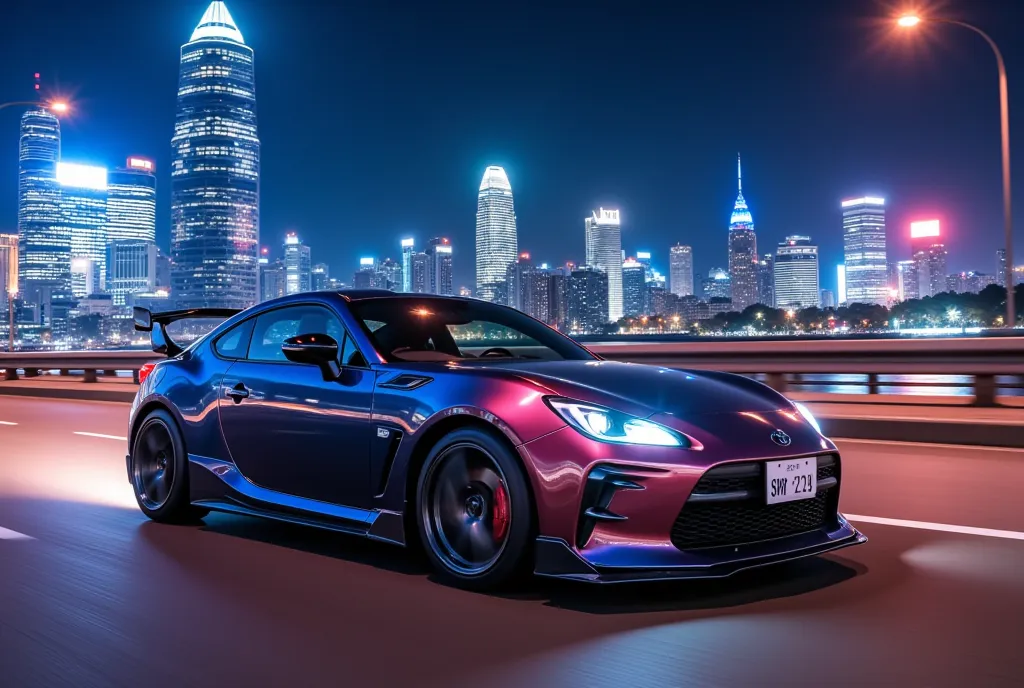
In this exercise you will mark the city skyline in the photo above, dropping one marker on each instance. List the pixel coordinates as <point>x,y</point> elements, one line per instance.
<point>785,200</point>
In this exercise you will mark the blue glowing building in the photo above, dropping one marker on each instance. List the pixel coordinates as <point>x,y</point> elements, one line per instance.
<point>216,169</point>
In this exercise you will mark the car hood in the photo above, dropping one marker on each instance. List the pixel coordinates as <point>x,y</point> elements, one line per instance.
<point>643,389</point>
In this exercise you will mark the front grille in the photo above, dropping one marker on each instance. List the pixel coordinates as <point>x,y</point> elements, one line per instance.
<point>727,507</point>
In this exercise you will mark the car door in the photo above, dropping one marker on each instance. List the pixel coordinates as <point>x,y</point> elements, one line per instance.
<point>287,428</point>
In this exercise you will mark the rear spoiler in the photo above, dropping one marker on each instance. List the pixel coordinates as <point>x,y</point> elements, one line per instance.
<point>163,344</point>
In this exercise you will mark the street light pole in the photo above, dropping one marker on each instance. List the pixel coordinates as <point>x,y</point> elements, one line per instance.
<point>908,21</point>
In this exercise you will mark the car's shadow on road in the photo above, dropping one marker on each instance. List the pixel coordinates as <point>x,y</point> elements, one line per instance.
<point>758,585</point>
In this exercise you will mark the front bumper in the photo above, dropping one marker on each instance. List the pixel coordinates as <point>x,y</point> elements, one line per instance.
<point>556,559</point>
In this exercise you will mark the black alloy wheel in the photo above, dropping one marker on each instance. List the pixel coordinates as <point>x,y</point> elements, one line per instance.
<point>159,471</point>
<point>474,511</point>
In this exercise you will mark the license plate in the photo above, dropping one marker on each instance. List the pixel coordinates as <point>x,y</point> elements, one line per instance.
<point>789,481</point>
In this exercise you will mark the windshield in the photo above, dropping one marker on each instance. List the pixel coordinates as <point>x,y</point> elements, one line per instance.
<point>441,330</point>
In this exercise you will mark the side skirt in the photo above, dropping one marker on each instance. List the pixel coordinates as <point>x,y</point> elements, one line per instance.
<point>219,486</point>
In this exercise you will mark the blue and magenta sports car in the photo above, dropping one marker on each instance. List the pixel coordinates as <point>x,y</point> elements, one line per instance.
<point>482,436</point>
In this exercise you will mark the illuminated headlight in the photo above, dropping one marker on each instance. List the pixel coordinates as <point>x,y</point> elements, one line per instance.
<point>607,425</point>
<point>808,416</point>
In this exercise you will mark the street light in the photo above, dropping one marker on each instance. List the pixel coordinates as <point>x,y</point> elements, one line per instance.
<point>912,20</point>
<point>58,106</point>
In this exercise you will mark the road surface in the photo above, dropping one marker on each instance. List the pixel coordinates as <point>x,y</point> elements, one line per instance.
<point>91,594</point>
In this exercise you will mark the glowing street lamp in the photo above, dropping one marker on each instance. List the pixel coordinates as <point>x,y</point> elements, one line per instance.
<point>57,106</point>
<point>909,21</point>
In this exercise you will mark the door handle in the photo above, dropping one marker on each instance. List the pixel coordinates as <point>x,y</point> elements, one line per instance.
<point>238,392</point>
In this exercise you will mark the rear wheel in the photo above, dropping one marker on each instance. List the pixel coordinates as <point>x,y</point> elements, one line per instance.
<point>474,512</point>
<point>159,471</point>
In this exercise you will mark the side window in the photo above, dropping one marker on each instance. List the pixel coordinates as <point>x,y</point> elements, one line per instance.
<point>235,342</point>
<point>274,327</point>
<point>350,355</point>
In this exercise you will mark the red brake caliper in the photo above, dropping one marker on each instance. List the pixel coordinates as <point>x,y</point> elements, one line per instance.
<point>499,512</point>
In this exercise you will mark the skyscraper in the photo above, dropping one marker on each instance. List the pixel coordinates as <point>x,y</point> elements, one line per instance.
<point>131,268</point>
<point>604,251</point>
<point>131,201</point>
<point>929,257</point>
<point>44,246</point>
<point>298,265</point>
<point>717,285</point>
<point>1001,267</point>
<point>420,274</point>
<point>439,252</point>
<point>497,242</point>
<point>389,274</point>
<point>864,250</point>
<point>680,270</point>
<point>796,274</point>
<point>366,276</point>
<point>216,169</point>
<point>909,282</point>
<point>83,210</point>
<point>8,269</point>
<point>272,282</point>
<point>766,280</point>
<point>841,284</point>
<point>742,249</point>
<point>407,251</point>
<point>320,277</point>
<point>634,288</point>
<point>588,299</point>
<point>558,297</point>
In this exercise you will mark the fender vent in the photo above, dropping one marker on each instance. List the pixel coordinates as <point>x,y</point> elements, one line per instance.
<point>406,381</point>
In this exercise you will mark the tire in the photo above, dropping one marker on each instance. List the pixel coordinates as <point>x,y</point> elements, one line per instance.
<point>474,511</point>
<point>158,471</point>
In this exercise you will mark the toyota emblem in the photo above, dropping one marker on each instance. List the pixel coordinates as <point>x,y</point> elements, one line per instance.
<point>782,439</point>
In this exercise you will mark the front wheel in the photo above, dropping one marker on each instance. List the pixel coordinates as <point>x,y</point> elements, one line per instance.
<point>159,471</point>
<point>473,510</point>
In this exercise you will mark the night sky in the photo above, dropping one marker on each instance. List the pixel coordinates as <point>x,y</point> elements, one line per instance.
<point>378,117</point>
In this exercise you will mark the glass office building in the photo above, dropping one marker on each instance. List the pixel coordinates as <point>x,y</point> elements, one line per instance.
<point>131,201</point>
<point>83,209</point>
<point>44,246</point>
<point>867,275</point>
<point>497,242</point>
<point>215,172</point>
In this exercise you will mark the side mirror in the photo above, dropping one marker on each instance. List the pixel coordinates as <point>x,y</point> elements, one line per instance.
<point>320,350</point>
<point>143,319</point>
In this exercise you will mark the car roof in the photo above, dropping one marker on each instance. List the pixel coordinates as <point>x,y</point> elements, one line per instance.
<point>365,294</point>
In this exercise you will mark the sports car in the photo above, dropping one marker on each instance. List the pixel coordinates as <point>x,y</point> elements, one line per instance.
<point>481,436</point>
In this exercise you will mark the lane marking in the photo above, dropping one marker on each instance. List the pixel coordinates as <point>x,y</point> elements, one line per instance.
<point>942,527</point>
<point>102,436</point>
<point>6,422</point>
<point>12,535</point>
<point>972,447</point>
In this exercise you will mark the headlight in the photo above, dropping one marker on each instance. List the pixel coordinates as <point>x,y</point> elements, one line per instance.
<point>607,425</point>
<point>808,416</point>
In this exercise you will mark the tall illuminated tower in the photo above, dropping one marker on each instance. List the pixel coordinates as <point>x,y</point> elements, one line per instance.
<point>44,245</point>
<point>83,207</point>
<point>867,275</point>
<point>680,270</point>
<point>407,251</point>
<point>604,251</point>
<point>743,263</point>
<point>497,242</point>
<point>215,174</point>
<point>131,201</point>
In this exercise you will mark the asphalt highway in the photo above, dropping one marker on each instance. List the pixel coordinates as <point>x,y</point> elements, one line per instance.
<point>91,594</point>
